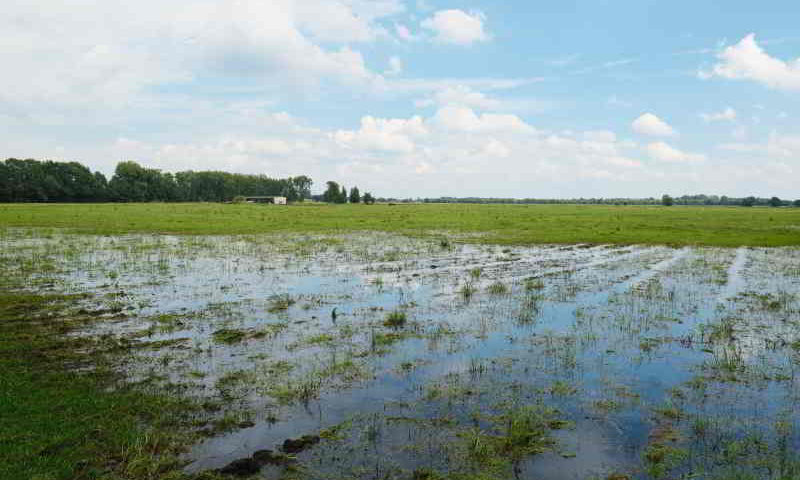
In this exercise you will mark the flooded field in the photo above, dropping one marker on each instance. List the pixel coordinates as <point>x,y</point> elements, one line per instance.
<point>378,356</point>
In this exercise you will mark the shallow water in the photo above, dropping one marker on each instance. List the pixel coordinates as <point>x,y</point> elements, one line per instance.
<point>640,350</point>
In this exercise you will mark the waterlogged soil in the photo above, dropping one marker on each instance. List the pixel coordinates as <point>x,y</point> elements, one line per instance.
<point>382,356</point>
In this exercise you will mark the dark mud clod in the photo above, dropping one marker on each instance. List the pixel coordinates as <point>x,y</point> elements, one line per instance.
<point>250,466</point>
<point>299,444</point>
<point>245,467</point>
<point>241,468</point>
<point>268,457</point>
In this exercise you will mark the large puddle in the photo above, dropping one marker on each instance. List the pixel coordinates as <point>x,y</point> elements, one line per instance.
<point>422,358</point>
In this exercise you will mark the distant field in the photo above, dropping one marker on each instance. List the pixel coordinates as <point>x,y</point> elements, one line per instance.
<point>506,224</point>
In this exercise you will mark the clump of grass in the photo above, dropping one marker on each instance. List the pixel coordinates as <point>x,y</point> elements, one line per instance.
<point>229,336</point>
<point>392,256</point>
<point>270,330</point>
<point>312,340</point>
<point>513,434</point>
<point>481,448</point>
<point>723,331</point>
<point>167,322</point>
<point>498,288</point>
<point>476,273</point>
<point>661,458</point>
<point>279,303</point>
<point>396,319</point>
<point>303,391</point>
<point>426,474</point>
<point>669,411</point>
<point>533,284</point>
<point>231,379</point>
<point>530,308</point>
<point>407,366</point>
<point>649,344</point>
<point>562,388</point>
<point>319,339</point>
<point>380,340</point>
<point>231,421</point>
<point>467,290</point>
<point>476,366</point>
<point>700,425</point>
<point>729,363</point>
<point>522,431</point>
<point>607,405</point>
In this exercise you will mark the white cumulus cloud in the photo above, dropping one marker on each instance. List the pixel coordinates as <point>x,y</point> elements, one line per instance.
<point>748,61</point>
<point>649,124</point>
<point>389,135</point>
<point>464,119</point>
<point>666,153</point>
<point>457,27</point>
<point>496,148</point>
<point>729,114</point>
<point>460,95</point>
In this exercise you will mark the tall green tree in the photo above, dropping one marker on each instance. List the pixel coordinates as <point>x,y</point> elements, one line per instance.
<point>301,188</point>
<point>748,201</point>
<point>130,183</point>
<point>331,194</point>
<point>355,195</point>
<point>667,201</point>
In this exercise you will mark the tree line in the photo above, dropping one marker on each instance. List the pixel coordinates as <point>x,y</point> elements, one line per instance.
<point>696,200</point>
<point>48,181</point>
<point>338,194</point>
<point>751,201</point>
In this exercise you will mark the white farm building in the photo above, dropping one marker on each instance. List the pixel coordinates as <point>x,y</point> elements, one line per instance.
<point>272,200</point>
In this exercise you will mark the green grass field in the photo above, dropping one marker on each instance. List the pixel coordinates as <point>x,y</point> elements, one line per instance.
<point>505,224</point>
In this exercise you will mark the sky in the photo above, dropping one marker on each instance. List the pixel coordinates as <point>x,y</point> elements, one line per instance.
<point>416,98</point>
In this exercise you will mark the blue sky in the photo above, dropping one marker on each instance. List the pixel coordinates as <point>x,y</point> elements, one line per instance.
<point>416,98</point>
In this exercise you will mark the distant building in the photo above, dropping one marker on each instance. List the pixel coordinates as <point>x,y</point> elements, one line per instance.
<point>272,200</point>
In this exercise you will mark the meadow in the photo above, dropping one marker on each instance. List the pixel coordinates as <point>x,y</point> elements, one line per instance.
<point>402,342</point>
<point>499,224</point>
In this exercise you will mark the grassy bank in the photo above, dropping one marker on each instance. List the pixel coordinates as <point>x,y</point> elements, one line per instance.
<point>63,415</point>
<point>506,224</point>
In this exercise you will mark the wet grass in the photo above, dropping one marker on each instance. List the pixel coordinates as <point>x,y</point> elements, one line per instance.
<point>57,422</point>
<point>507,224</point>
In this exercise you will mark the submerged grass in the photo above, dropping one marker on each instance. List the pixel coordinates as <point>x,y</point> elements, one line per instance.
<point>507,224</point>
